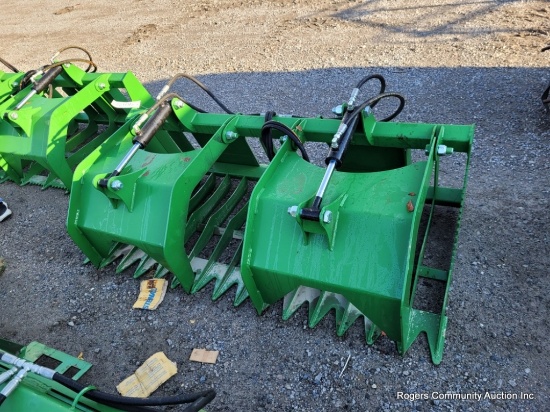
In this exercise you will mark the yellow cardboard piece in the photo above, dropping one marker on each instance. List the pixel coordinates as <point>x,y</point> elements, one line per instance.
<point>148,377</point>
<point>204,356</point>
<point>151,294</point>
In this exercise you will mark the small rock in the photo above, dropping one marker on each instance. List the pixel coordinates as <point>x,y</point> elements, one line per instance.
<point>318,378</point>
<point>373,386</point>
<point>70,323</point>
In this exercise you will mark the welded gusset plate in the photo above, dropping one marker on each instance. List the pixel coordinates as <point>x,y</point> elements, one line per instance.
<point>44,140</point>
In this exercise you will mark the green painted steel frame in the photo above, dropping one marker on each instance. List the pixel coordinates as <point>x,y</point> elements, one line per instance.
<point>44,135</point>
<point>382,282</point>
<point>154,211</point>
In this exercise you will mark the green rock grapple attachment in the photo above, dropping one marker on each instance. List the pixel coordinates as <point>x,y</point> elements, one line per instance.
<point>63,113</point>
<point>180,191</point>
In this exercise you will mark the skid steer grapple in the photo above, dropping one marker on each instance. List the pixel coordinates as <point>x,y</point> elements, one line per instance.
<point>180,191</point>
<point>53,117</point>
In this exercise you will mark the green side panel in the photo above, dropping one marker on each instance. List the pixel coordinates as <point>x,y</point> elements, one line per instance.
<point>368,263</point>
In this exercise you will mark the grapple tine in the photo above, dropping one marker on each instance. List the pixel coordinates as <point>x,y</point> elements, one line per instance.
<point>348,318</point>
<point>145,265</point>
<point>202,212</point>
<point>232,276</point>
<point>161,272</point>
<point>295,299</point>
<point>131,255</point>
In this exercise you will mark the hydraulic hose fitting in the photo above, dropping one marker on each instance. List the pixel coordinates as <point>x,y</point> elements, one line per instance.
<point>7,374</point>
<point>40,84</point>
<point>351,101</point>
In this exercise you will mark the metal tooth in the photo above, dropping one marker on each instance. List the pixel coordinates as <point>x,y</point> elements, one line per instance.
<point>161,272</point>
<point>323,305</point>
<point>348,318</point>
<point>293,300</point>
<point>372,332</point>
<point>118,250</point>
<point>132,255</point>
<point>232,277</point>
<point>320,303</point>
<point>145,266</point>
<point>175,282</point>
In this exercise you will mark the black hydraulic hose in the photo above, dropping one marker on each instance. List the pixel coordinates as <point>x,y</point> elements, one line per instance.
<point>2,399</point>
<point>90,66</point>
<point>26,79</point>
<point>370,77</point>
<point>198,83</point>
<point>120,401</point>
<point>378,77</point>
<point>372,101</point>
<point>285,130</point>
<point>69,61</point>
<point>9,65</point>
<point>266,139</point>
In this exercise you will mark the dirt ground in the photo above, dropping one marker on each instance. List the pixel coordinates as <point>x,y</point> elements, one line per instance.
<point>456,62</point>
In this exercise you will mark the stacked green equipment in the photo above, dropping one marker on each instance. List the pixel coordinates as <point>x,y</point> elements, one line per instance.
<point>179,190</point>
<point>51,120</point>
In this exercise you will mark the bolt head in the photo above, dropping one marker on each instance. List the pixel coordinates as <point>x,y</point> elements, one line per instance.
<point>117,185</point>
<point>230,135</point>
<point>178,103</point>
<point>338,110</point>
<point>101,86</point>
<point>293,211</point>
<point>327,216</point>
<point>14,115</point>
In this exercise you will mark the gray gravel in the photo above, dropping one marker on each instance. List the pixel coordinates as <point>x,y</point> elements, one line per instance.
<point>478,63</point>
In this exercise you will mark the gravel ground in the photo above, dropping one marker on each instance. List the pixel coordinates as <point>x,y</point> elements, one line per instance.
<point>456,62</point>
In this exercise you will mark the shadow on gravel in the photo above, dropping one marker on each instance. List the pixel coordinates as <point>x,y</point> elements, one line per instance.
<point>504,101</point>
<point>420,14</point>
